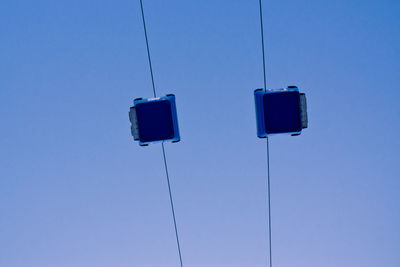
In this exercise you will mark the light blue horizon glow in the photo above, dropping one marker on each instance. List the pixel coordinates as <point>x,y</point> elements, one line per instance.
<point>77,191</point>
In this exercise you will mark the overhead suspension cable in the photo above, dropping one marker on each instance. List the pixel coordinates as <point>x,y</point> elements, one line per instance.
<point>148,49</point>
<point>268,173</point>
<point>172,204</point>
<point>162,144</point>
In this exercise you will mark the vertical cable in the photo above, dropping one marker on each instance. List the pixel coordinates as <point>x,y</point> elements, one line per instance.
<point>268,173</point>
<point>269,208</point>
<point>172,204</point>
<point>162,144</point>
<point>262,45</point>
<point>148,49</point>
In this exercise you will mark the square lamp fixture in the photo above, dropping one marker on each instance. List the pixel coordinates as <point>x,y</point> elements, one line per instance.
<point>154,120</point>
<point>280,111</point>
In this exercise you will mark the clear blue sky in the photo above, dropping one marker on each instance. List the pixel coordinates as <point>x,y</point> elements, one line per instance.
<point>76,191</point>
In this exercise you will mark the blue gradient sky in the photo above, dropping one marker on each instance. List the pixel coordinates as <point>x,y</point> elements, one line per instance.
<point>76,191</point>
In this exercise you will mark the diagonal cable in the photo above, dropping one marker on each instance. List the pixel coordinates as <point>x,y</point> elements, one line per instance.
<point>268,173</point>
<point>148,49</point>
<point>162,144</point>
<point>172,204</point>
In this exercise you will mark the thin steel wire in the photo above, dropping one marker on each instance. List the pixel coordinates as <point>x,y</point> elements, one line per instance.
<point>268,172</point>
<point>262,44</point>
<point>148,49</point>
<point>162,144</point>
<point>172,205</point>
<point>269,208</point>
